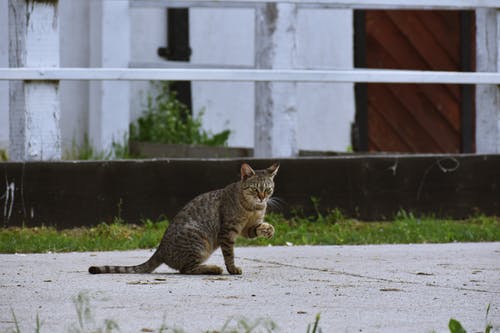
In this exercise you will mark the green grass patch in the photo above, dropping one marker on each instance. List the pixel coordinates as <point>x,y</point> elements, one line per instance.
<point>335,230</point>
<point>104,237</point>
<point>331,229</point>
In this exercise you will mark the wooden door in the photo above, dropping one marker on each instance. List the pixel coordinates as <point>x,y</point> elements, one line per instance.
<point>420,118</point>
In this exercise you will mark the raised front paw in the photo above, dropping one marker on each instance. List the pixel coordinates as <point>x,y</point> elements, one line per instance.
<point>234,270</point>
<point>265,230</point>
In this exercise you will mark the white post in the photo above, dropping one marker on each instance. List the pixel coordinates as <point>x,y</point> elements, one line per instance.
<point>275,102</point>
<point>34,105</point>
<point>4,86</point>
<point>488,96</point>
<point>109,47</point>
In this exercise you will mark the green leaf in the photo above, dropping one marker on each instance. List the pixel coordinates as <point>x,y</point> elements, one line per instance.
<point>455,326</point>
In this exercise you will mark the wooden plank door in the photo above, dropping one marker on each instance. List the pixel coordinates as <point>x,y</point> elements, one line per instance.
<point>419,118</point>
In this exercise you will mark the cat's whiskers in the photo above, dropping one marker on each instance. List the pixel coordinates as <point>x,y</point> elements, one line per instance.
<point>276,202</point>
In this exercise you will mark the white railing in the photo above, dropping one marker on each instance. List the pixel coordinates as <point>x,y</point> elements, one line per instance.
<point>339,4</point>
<point>286,75</point>
<point>246,74</point>
<point>257,75</point>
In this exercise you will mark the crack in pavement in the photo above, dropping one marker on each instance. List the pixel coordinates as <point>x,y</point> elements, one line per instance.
<point>378,279</point>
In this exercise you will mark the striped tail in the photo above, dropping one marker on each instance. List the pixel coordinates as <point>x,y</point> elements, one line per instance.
<point>146,267</point>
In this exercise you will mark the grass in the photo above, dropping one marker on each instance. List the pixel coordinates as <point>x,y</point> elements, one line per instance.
<point>335,230</point>
<point>104,237</point>
<point>86,151</point>
<point>331,229</point>
<point>3,155</point>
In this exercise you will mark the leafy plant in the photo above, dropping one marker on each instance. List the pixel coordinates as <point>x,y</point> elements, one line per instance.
<point>456,327</point>
<point>167,120</point>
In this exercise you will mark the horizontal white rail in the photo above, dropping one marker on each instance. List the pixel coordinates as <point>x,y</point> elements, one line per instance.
<point>355,4</point>
<point>178,74</point>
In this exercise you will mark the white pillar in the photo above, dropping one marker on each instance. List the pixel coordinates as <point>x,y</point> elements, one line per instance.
<point>488,96</point>
<point>4,86</point>
<point>109,105</point>
<point>34,105</point>
<point>275,102</point>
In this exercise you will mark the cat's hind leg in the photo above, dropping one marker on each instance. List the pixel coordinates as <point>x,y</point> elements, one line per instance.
<point>191,255</point>
<point>203,269</point>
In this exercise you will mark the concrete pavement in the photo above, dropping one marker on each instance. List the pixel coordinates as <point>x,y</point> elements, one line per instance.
<point>384,288</point>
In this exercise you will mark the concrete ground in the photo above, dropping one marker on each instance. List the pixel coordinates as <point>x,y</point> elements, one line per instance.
<point>385,288</point>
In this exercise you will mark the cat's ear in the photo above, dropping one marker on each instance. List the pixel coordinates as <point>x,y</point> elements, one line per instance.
<point>246,171</point>
<point>273,169</point>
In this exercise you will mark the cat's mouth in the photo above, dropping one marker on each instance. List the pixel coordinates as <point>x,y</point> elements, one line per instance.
<point>260,204</point>
<point>259,200</point>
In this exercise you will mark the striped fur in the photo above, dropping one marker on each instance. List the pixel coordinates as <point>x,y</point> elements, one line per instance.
<point>146,267</point>
<point>209,221</point>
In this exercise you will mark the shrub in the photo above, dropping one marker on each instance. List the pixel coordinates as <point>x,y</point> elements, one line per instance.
<point>167,120</point>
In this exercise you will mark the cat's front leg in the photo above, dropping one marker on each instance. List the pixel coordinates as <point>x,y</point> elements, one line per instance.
<point>228,253</point>
<point>265,230</point>
<point>227,247</point>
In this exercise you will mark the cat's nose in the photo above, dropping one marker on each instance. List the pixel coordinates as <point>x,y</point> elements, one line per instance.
<point>261,196</point>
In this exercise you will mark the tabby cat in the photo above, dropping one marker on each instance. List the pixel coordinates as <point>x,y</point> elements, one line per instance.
<point>211,220</point>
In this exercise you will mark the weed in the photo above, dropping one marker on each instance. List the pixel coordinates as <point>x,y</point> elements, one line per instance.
<point>243,325</point>
<point>16,323</point>
<point>332,216</point>
<point>86,151</point>
<point>164,328</point>
<point>456,327</point>
<point>167,120</point>
<point>82,306</point>
<point>17,329</point>
<point>315,202</point>
<point>86,322</point>
<point>315,327</point>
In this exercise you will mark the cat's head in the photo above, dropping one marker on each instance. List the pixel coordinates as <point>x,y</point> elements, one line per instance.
<point>258,185</point>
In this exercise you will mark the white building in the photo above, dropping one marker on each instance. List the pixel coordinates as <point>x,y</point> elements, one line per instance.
<point>108,33</point>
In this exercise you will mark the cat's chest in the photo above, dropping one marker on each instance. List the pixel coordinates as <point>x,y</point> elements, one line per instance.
<point>252,217</point>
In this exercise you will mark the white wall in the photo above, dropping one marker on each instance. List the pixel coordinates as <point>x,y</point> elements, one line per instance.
<point>148,30</point>
<point>4,85</point>
<point>326,110</point>
<point>74,52</point>
<point>324,40</point>
<point>224,37</point>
